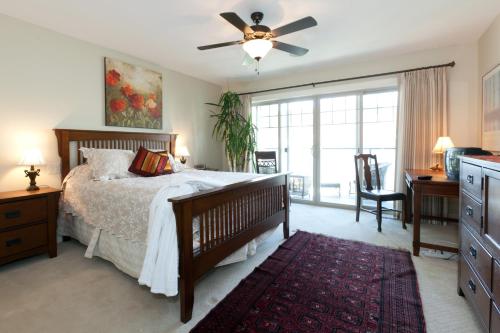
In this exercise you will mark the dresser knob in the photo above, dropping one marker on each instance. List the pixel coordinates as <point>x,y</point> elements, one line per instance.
<point>473,251</point>
<point>472,286</point>
<point>469,211</point>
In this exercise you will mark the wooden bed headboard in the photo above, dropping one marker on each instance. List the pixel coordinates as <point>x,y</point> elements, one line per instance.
<point>69,142</point>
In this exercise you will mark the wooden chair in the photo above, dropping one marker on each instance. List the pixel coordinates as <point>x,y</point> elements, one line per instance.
<point>376,194</point>
<point>265,162</point>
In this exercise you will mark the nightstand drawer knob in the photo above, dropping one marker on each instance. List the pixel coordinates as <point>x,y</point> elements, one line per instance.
<point>13,214</point>
<point>13,242</point>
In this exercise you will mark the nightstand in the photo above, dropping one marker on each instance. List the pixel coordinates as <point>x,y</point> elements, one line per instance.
<point>28,223</point>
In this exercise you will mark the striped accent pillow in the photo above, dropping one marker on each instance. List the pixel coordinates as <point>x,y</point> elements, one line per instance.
<point>148,164</point>
<point>168,167</point>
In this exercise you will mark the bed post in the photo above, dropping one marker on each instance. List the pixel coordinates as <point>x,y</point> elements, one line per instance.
<point>184,219</point>
<point>286,199</point>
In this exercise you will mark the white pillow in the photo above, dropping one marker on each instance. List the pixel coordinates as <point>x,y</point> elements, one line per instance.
<point>176,166</point>
<point>108,164</point>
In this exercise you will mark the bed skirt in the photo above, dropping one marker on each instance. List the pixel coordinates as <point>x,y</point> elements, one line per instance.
<point>126,255</point>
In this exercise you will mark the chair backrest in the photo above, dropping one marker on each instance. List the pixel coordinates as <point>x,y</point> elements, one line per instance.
<point>367,172</point>
<point>265,162</point>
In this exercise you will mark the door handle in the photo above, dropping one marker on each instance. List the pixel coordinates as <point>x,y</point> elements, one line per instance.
<point>13,214</point>
<point>470,179</point>
<point>12,242</point>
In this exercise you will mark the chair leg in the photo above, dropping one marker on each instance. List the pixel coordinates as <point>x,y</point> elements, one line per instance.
<point>358,207</point>
<point>405,213</point>
<point>379,215</point>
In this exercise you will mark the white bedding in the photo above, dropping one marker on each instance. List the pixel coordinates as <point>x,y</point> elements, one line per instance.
<point>136,209</point>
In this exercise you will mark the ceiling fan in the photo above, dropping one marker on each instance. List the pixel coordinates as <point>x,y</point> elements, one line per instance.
<point>257,39</point>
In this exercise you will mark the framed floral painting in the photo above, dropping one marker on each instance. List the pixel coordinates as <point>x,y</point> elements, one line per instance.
<point>491,110</point>
<point>133,95</point>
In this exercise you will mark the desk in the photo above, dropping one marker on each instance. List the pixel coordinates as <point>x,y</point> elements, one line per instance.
<point>439,185</point>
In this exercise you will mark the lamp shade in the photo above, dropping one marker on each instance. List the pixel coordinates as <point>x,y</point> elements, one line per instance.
<point>443,143</point>
<point>182,151</point>
<point>32,157</point>
<point>257,48</point>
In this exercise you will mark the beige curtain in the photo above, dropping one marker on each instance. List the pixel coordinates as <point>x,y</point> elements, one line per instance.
<point>422,119</point>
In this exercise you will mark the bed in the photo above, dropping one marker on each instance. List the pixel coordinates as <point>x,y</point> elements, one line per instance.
<point>210,224</point>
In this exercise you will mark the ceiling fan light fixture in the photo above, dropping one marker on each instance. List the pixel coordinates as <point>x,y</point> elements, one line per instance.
<point>257,48</point>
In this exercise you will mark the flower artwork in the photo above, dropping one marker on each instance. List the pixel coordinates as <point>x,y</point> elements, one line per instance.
<point>133,96</point>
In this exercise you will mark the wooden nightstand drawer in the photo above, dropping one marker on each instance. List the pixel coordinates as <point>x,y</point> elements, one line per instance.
<point>23,212</point>
<point>23,239</point>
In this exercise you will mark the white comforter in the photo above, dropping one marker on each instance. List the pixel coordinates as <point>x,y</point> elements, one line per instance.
<point>137,209</point>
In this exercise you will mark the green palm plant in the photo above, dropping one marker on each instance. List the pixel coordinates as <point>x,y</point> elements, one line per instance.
<point>235,131</point>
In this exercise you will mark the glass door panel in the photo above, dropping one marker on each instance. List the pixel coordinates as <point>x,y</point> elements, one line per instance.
<point>338,145</point>
<point>297,142</point>
<point>379,133</point>
<point>266,117</point>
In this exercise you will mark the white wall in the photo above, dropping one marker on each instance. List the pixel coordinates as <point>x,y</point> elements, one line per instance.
<point>489,53</point>
<point>49,80</point>
<point>464,117</point>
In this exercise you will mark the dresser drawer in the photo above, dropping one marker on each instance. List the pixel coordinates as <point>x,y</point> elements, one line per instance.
<point>23,212</point>
<point>471,212</point>
<point>23,239</point>
<point>495,318</point>
<point>475,292</point>
<point>477,255</point>
<point>496,280</point>
<point>470,179</point>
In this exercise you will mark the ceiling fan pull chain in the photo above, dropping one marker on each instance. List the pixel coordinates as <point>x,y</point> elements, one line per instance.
<point>257,67</point>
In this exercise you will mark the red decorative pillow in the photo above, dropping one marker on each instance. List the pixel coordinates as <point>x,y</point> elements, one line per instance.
<point>168,167</point>
<point>148,164</point>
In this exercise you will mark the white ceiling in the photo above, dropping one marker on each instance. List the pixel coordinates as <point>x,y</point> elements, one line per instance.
<point>167,32</point>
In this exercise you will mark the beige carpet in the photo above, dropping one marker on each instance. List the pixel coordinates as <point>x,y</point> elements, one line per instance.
<point>73,294</point>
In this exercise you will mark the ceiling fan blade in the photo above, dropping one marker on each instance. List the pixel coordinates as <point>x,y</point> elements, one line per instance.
<point>235,20</point>
<point>301,24</point>
<point>295,50</point>
<point>213,46</point>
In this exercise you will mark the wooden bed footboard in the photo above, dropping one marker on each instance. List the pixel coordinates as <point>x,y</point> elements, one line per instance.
<point>228,217</point>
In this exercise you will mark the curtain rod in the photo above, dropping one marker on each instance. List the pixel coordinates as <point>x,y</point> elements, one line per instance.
<point>314,84</point>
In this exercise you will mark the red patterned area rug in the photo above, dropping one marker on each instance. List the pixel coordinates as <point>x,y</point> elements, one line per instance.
<point>315,283</point>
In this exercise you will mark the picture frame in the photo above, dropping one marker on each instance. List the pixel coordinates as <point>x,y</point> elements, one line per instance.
<point>491,110</point>
<point>133,95</point>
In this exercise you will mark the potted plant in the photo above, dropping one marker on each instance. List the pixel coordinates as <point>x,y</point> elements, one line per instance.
<point>236,131</point>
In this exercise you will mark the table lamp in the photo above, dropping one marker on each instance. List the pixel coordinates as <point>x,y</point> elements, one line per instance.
<point>32,157</point>
<point>443,143</point>
<point>182,152</point>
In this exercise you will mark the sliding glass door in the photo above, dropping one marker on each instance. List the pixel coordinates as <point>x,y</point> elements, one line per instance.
<point>316,140</point>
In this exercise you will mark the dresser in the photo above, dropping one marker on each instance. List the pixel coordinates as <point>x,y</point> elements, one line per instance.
<point>28,223</point>
<point>479,262</point>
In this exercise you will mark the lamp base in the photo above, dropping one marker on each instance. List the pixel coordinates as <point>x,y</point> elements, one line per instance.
<point>32,188</point>
<point>436,168</point>
<point>183,160</point>
<point>32,173</point>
